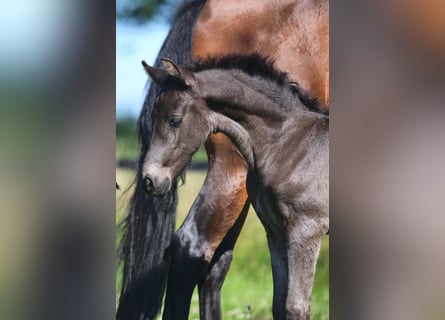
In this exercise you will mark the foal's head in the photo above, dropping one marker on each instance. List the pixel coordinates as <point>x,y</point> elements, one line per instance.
<point>180,125</point>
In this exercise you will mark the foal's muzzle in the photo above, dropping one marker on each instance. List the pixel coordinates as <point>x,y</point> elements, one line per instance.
<point>155,187</point>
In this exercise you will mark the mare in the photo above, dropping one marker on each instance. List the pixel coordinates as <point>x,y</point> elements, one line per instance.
<point>295,35</point>
<point>285,144</point>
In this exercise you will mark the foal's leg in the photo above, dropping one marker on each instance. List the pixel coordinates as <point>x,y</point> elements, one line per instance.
<point>277,241</point>
<point>305,233</point>
<point>278,257</point>
<point>294,251</point>
<point>218,205</point>
<point>294,240</point>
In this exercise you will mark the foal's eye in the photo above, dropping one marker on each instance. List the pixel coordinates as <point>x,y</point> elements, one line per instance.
<point>175,121</point>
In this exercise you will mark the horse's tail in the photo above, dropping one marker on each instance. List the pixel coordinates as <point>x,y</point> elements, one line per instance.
<point>148,229</point>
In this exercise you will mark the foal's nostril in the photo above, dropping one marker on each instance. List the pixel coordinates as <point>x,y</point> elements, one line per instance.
<point>153,187</point>
<point>148,184</point>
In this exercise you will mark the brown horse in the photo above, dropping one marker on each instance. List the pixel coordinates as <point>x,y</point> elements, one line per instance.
<point>295,35</point>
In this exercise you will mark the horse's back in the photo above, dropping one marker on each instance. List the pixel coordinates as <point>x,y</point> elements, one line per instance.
<point>293,33</point>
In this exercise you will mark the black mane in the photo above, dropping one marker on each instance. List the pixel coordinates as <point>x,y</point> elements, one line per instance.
<point>258,65</point>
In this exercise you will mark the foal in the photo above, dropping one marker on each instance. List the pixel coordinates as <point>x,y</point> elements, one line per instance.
<point>284,143</point>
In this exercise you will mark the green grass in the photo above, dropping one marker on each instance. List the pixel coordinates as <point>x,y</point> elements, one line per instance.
<point>249,281</point>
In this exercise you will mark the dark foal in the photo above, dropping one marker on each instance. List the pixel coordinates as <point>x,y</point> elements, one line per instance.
<point>284,143</point>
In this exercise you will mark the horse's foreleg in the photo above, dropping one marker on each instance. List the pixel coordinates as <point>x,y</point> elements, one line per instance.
<point>189,267</point>
<point>211,284</point>
<point>187,264</point>
<point>209,231</point>
<point>227,198</point>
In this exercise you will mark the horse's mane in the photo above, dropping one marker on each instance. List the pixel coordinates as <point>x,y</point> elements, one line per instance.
<point>185,8</point>
<point>258,65</point>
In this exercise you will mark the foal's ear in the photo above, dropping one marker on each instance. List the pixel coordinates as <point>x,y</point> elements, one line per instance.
<point>156,74</point>
<point>173,70</point>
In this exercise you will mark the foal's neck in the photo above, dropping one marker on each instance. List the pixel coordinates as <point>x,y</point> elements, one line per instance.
<point>244,105</point>
<point>239,95</point>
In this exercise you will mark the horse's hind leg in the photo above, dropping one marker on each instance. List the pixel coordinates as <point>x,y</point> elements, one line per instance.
<point>211,284</point>
<point>214,212</point>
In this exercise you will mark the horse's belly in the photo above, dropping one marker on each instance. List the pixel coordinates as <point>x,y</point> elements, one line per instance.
<point>265,205</point>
